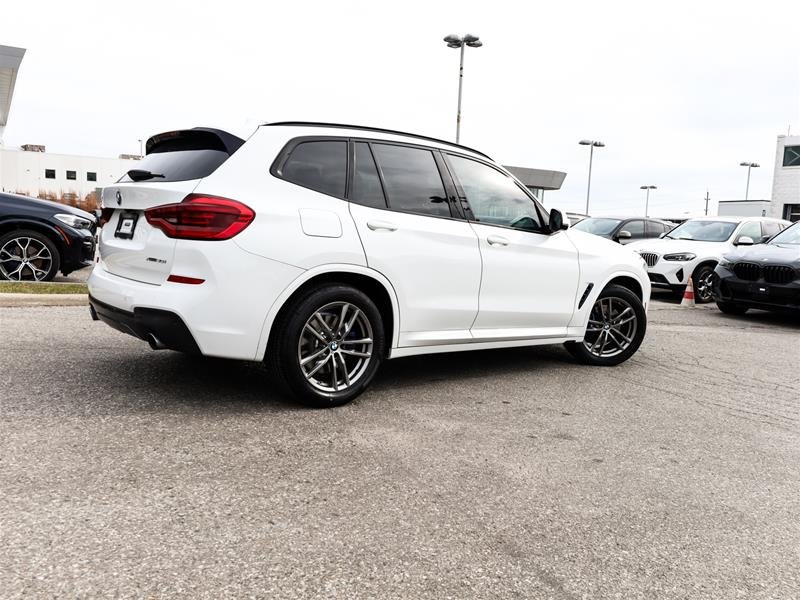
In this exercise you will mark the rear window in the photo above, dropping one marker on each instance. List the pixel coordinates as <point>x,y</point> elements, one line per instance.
<point>182,156</point>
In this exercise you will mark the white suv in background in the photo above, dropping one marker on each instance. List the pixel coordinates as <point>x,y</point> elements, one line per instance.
<point>693,249</point>
<point>325,249</point>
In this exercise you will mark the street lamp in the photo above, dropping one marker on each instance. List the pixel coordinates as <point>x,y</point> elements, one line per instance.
<point>141,151</point>
<point>592,145</point>
<point>454,41</point>
<point>749,166</point>
<point>647,198</point>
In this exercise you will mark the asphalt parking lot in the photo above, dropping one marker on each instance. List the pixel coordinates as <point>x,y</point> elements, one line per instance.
<point>507,474</point>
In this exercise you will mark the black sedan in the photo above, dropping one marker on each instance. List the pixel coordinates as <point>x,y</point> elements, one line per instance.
<point>765,276</point>
<point>39,238</point>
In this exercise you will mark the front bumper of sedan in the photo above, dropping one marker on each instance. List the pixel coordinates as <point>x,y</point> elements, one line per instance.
<point>755,294</point>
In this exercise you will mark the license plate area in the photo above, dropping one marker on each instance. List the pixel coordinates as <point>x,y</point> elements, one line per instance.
<point>126,225</point>
<point>757,289</point>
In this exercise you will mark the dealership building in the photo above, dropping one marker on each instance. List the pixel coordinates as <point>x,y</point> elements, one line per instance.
<point>786,179</point>
<point>32,171</point>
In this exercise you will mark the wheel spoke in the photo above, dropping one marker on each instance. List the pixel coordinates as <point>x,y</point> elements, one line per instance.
<point>355,353</point>
<point>624,337</point>
<point>311,357</point>
<point>361,341</point>
<point>334,374</point>
<point>338,325</point>
<point>351,322</point>
<point>322,322</point>
<point>613,333</point>
<point>316,333</point>
<point>624,321</point>
<point>344,370</point>
<point>318,366</point>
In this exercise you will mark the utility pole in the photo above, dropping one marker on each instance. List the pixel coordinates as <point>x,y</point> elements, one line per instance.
<point>707,199</point>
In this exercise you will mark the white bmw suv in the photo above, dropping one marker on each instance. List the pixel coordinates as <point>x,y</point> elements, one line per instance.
<point>325,249</point>
<point>693,249</point>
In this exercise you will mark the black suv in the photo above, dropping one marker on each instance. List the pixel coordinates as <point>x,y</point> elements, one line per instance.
<point>624,230</point>
<point>765,276</point>
<point>39,238</point>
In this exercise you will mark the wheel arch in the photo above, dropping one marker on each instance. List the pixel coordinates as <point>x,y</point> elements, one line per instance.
<point>629,282</point>
<point>45,229</point>
<point>710,262</point>
<point>369,281</point>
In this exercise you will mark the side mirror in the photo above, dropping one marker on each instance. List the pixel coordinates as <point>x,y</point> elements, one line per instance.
<point>744,240</point>
<point>764,239</point>
<point>624,235</point>
<point>556,222</point>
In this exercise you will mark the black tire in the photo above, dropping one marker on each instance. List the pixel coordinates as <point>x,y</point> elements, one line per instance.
<point>27,273</point>
<point>730,308</point>
<point>283,354</point>
<point>702,279</point>
<point>585,356</point>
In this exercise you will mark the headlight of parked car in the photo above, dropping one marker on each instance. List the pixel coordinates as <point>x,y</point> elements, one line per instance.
<point>724,262</point>
<point>74,221</point>
<point>680,256</point>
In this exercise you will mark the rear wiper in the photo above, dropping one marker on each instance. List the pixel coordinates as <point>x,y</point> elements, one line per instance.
<point>141,174</point>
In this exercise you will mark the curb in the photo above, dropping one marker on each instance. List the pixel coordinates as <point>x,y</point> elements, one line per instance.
<point>27,300</point>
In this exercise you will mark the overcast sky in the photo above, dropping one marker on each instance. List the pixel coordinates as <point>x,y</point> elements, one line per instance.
<point>680,92</point>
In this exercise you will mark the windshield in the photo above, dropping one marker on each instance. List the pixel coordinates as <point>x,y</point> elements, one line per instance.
<point>597,226</point>
<point>790,235</point>
<point>703,231</point>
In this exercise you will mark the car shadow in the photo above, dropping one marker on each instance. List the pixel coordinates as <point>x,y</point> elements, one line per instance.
<point>174,382</point>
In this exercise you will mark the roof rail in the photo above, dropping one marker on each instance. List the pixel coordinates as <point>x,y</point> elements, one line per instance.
<point>376,129</point>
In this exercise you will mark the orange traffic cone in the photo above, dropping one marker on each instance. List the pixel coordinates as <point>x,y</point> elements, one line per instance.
<point>688,295</point>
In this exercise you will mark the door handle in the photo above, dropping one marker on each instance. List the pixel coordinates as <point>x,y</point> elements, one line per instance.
<point>386,225</point>
<point>496,240</point>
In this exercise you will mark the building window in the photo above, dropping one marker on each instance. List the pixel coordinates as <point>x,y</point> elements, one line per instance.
<point>91,176</point>
<point>791,156</point>
<point>791,212</point>
<point>73,175</point>
<point>49,173</point>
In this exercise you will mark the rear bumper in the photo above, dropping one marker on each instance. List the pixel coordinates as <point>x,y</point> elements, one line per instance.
<point>157,327</point>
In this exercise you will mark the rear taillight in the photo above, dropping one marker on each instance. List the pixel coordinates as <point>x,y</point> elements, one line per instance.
<point>201,217</point>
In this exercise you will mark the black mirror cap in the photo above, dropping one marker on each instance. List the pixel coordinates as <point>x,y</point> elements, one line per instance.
<point>556,222</point>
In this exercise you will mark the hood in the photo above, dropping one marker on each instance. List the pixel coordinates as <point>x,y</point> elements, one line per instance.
<point>668,246</point>
<point>787,254</point>
<point>26,202</point>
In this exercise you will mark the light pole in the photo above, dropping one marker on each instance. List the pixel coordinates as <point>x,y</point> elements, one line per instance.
<point>141,151</point>
<point>647,198</point>
<point>592,145</point>
<point>749,166</point>
<point>454,41</point>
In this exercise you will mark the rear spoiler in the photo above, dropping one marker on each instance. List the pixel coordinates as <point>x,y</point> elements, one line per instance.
<point>198,138</point>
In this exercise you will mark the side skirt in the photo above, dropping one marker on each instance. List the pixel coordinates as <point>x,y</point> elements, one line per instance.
<point>413,351</point>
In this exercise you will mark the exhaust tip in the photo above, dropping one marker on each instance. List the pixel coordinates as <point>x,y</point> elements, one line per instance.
<point>93,313</point>
<point>154,342</point>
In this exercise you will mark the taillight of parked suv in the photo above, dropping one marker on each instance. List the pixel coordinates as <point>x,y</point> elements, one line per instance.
<point>201,217</point>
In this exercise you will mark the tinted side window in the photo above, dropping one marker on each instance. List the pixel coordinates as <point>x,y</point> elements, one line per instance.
<point>412,180</point>
<point>495,199</point>
<point>320,166</point>
<point>367,189</point>
<point>751,230</point>
<point>636,229</point>
<point>653,229</point>
<point>770,228</point>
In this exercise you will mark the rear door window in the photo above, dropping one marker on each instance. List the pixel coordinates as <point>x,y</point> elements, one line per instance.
<point>770,228</point>
<point>412,180</point>
<point>367,189</point>
<point>318,165</point>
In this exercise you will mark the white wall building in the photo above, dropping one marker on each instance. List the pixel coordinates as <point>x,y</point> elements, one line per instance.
<point>63,177</point>
<point>744,208</point>
<point>786,179</point>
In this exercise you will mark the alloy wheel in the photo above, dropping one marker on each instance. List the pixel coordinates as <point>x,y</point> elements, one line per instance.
<point>25,259</point>
<point>335,347</point>
<point>612,327</point>
<point>704,285</point>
